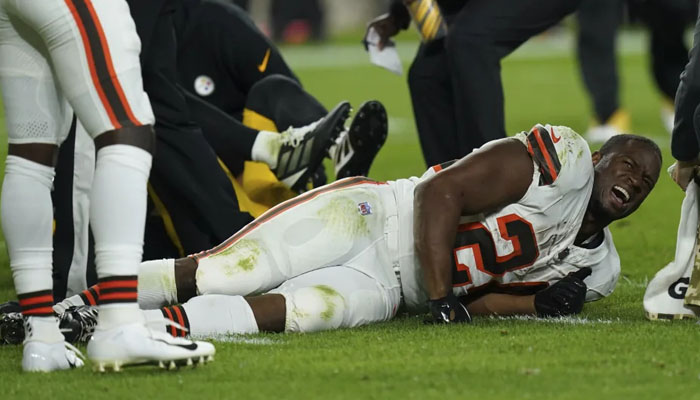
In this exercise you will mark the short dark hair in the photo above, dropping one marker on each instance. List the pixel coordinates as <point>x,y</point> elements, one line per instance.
<point>619,140</point>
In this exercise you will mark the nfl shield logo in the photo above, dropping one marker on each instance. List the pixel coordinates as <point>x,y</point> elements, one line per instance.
<point>364,208</point>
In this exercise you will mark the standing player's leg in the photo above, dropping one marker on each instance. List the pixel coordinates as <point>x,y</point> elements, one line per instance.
<point>667,21</point>
<point>598,22</point>
<point>96,62</point>
<point>279,101</point>
<point>328,298</point>
<point>35,115</point>
<point>433,104</point>
<point>482,33</point>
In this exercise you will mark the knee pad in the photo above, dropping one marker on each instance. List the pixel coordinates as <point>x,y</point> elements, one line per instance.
<point>312,309</point>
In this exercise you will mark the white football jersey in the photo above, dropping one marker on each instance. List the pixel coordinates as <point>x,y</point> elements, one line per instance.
<point>526,245</point>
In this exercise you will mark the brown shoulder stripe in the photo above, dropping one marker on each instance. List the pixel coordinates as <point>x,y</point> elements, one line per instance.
<point>544,153</point>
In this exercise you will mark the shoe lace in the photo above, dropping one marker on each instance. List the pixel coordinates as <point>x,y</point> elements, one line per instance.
<point>294,136</point>
<point>75,350</point>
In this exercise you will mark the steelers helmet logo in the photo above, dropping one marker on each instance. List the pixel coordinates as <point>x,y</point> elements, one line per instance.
<point>203,85</point>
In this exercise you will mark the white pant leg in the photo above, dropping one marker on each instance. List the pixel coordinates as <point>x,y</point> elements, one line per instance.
<point>94,50</point>
<point>35,109</point>
<point>336,297</point>
<point>332,225</point>
<point>83,171</point>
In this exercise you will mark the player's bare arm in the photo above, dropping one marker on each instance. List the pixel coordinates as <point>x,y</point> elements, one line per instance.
<point>492,177</point>
<point>565,297</point>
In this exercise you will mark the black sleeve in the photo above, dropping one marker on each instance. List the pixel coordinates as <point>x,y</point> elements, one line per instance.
<point>400,13</point>
<point>231,140</point>
<point>685,141</point>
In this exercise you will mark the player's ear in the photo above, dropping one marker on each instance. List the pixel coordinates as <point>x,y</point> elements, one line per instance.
<point>596,156</point>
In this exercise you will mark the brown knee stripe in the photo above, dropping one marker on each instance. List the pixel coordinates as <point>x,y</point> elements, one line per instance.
<point>142,137</point>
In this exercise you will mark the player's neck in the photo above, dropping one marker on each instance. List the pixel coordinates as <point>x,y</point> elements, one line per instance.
<point>590,226</point>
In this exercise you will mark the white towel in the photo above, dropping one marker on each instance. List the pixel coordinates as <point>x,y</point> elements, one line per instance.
<point>665,293</point>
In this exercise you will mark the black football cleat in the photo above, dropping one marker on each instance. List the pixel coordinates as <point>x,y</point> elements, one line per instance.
<point>357,148</point>
<point>11,328</point>
<point>78,323</point>
<point>302,149</point>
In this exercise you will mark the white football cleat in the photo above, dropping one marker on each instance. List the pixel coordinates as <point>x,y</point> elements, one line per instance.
<point>601,133</point>
<point>135,344</point>
<point>46,357</point>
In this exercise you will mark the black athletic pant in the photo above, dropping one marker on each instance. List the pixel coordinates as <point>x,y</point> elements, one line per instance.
<point>455,84</point>
<point>275,97</point>
<point>667,21</point>
<point>186,175</point>
<point>598,21</point>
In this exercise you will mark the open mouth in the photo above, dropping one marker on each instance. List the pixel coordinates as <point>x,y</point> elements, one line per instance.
<point>621,194</point>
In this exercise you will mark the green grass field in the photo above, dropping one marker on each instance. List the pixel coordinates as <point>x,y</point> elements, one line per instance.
<point>610,351</point>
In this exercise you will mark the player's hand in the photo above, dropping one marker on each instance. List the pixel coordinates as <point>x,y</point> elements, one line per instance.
<point>448,310</point>
<point>565,297</point>
<point>386,26</point>
<point>682,172</point>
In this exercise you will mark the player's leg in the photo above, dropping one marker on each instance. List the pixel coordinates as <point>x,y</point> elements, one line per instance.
<point>328,298</point>
<point>35,115</point>
<point>93,48</point>
<point>433,104</point>
<point>326,226</point>
<point>598,22</point>
<point>482,33</point>
<point>292,155</point>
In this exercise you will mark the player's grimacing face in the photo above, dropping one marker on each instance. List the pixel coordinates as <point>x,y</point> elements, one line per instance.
<point>624,178</point>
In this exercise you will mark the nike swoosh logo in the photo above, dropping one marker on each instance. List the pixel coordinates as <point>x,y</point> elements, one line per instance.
<point>263,65</point>
<point>192,346</point>
<point>555,139</point>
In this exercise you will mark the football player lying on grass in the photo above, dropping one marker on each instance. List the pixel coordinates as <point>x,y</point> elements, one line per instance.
<point>515,227</point>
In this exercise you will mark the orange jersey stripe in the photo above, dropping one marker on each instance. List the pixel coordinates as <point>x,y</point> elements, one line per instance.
<point>41,310</point>
<point>285,206</point>
<point>110,65</point>
<point>170,317</point>
<point>91,64</point>
<point>36,300</point>
<point>180,320</point>
<point>545,153</point>
<point>118,296</point>
<point>90,297</point>
<point>126,284</point>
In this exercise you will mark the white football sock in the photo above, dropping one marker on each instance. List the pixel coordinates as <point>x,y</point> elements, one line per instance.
<point>266,148</point>
<point>118,215</point>
<point>89,296</point>
<point>157,284</point>
<point>207,316</point>
<point>43,329</point>
<point>215,314</point>
<point>27,220</point>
